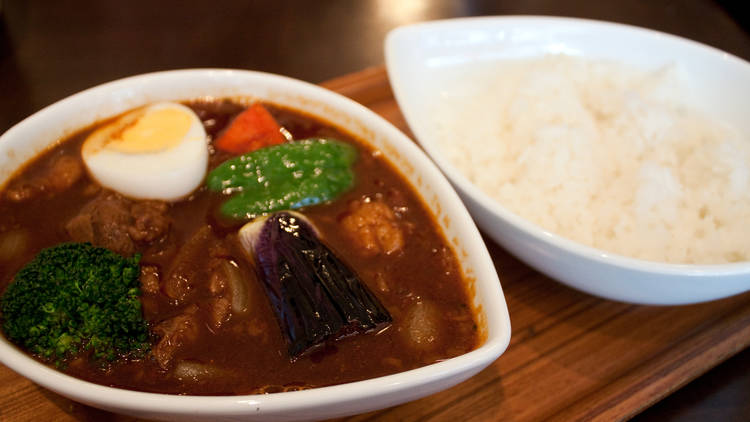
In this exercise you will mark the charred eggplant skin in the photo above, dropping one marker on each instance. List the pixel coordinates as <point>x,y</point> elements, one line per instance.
<point>316,297</point>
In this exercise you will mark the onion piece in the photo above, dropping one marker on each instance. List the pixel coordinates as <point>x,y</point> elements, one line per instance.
<point>422,325</point>
<point>187,370</point>
<point>237,284</point>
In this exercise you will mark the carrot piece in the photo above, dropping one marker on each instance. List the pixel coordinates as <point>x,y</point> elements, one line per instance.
<point>252,129</point>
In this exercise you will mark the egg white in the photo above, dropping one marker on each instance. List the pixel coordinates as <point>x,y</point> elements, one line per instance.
<point>169,173</point>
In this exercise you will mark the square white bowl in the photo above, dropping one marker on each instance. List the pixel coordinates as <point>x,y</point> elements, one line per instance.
<point>721,82</point>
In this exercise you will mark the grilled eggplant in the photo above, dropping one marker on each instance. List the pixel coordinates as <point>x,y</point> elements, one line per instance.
<point>317,298</point>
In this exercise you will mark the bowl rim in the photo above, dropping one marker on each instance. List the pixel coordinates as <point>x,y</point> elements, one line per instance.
<point>493,307</point>
<point>537,20</point>
<point>404,33</point>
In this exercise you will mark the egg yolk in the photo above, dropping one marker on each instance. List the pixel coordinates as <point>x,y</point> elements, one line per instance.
<point>157,130</point>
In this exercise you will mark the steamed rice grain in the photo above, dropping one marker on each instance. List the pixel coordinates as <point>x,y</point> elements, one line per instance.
<point>602,154</point>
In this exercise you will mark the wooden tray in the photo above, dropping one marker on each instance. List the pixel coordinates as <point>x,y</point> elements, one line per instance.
<point>571,357</point>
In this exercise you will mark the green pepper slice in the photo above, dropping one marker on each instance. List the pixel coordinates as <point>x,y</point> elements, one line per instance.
<point>285,176</point>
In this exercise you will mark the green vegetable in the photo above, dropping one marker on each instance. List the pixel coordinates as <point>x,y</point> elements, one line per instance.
<point>285,176</point>
<point>75,297</point>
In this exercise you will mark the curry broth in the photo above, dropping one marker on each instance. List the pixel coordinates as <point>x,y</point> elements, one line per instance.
<point>248,354</point>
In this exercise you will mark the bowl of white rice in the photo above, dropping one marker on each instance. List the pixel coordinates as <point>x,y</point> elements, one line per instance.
<point>611,158</point>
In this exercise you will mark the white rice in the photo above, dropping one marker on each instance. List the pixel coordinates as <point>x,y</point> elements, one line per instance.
<point>602,154</point>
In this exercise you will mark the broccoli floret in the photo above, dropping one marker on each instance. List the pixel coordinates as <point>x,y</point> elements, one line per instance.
<point>75,297</point>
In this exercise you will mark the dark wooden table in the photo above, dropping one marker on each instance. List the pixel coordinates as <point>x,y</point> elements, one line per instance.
<point>51,49</point>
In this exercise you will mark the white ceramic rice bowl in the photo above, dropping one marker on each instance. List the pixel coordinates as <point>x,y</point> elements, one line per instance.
<point>722,85</point>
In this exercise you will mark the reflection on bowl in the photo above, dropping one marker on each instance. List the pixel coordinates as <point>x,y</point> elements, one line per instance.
<point>422,61</point>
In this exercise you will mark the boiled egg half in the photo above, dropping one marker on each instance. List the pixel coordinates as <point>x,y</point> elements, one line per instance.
<point>154,152</point>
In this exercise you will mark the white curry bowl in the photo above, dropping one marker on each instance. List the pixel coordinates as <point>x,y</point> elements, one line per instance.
<point>37,132</point>
<point>720,81</point>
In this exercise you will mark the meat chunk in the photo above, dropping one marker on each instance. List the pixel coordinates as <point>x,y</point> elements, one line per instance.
<point>203,261</point>
<point>119,224</point>
<point>175,333</point>
<point>63,173</point>
<point>187,267</point>
<point>373,226</point>
<point>227,284</point>
<point>104,222</point>
<point>149,222</point>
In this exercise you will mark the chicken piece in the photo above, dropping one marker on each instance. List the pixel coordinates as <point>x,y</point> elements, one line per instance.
<point>175,333</point>
<point>373,226</point>
<point>63,173</point>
